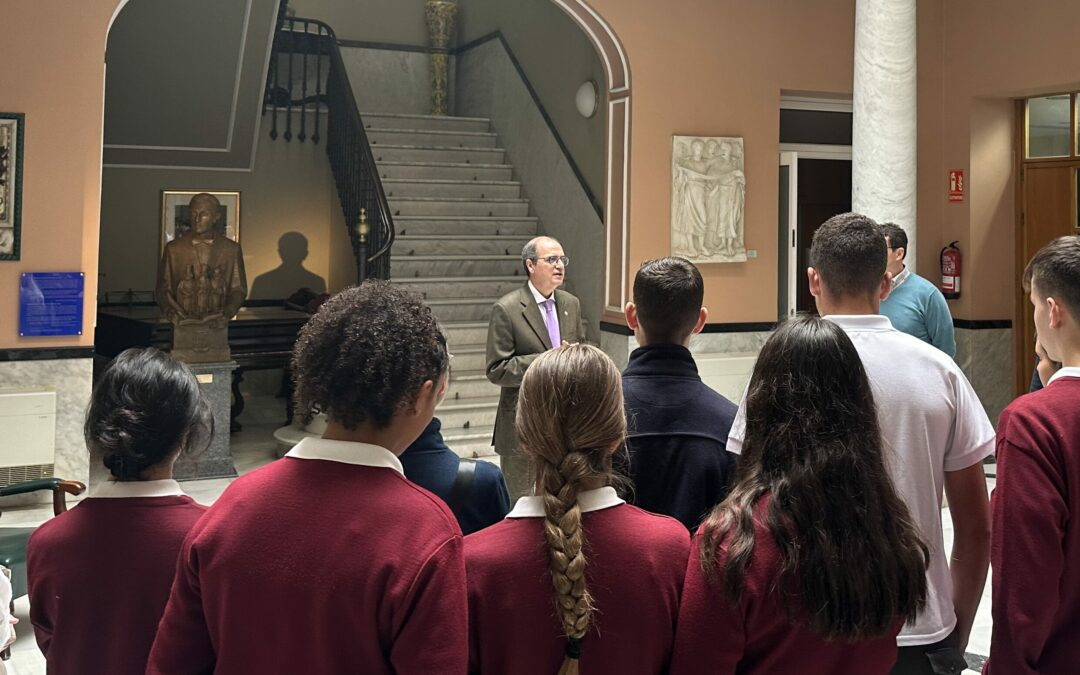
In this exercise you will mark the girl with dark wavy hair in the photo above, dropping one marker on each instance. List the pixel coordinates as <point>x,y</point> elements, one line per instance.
<point>99,574</point>
<point>573,580</point>
<point>812,563</point>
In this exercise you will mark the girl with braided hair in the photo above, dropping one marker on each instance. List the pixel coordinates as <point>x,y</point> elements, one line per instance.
<point>812,563</point>
<point>574,579</point>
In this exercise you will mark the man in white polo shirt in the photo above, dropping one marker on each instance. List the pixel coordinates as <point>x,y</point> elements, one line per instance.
<point>934,429</point>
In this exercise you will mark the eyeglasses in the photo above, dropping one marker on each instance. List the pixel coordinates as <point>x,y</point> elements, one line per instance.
<point>555,259</point>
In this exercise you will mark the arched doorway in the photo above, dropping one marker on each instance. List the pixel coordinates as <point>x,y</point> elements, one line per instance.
<point>617,178</point>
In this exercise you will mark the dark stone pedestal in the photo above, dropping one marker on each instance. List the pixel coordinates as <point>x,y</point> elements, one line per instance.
<point>216,461</point>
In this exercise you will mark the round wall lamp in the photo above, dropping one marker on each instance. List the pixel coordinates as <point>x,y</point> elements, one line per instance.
<point>587,99</point>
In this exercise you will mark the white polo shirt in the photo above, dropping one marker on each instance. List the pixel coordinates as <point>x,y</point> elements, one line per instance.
<point>931,422</point>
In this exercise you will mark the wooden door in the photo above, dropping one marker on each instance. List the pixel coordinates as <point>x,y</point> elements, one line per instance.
<point>1048,212</point>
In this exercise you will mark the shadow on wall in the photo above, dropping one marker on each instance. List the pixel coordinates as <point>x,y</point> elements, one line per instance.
<point>287,278</point>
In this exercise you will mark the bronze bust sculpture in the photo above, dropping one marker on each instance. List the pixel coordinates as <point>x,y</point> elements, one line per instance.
<point>201,285</point>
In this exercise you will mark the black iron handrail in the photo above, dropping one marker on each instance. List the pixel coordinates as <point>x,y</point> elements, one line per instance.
<point>303,43</point>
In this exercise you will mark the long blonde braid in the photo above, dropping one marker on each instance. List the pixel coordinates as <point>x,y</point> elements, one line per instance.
<point>569,420</point>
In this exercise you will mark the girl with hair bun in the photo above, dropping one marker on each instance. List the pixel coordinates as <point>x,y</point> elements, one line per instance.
<point>99,574</point>
<point>574,579</point>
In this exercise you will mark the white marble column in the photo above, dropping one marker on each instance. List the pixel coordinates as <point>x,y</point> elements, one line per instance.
<point>884,129</point>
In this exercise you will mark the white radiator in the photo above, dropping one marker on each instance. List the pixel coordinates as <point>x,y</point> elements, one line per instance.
<point>727,373</point>
<point>27,435</point>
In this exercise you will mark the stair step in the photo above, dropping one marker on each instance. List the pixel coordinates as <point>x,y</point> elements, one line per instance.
<point>470,385</point>
<point>471,189</point>
<point>456,139</point>
<point>451,206</point>
<point>420,153</point>
<point>461,309</point>
<point>424,266</point>
<point>439,122</point>
<point>480,244</point>
<point>460,334</point>
<point>472,444</point>
<point>440,225</point>
<point>476,412</point>
<point>445,171</point>
<point>456,287</point>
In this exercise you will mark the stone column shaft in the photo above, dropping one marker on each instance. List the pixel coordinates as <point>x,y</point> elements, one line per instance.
<point>884,128</point>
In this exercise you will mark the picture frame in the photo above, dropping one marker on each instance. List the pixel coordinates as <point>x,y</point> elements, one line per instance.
<point>175,221</point>
<point>12,131</point>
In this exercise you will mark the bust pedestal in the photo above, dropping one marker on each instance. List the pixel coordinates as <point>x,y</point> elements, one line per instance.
<point>215,380</point>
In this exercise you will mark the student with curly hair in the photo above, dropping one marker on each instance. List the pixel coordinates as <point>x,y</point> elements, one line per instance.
<point>813,562</point>
<point>573,580</point>
<point>99,574</point>
<point>330,555</point>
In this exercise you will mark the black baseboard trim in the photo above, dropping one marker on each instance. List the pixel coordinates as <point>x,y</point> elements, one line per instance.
<point>46,354</point>
<point>982,324</point>
<point>749,327</point>
<point>616,328</point>
<point>393,47</point>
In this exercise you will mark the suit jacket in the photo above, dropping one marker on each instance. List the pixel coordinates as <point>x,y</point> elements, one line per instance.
<point>516,334</point>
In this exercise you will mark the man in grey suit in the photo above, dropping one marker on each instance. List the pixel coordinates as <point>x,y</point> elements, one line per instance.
<point>524,323</point>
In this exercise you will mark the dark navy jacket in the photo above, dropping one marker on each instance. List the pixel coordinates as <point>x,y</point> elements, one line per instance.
<point>432,465</point>
<point>677,434</point>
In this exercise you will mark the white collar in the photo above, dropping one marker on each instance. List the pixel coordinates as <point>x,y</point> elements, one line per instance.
<point>901,278</point>
<point>868,322</point>
<point>137,488</point>
<point>540,299</point>
<point>1067,371</point>
<point>589,500</point>
<point>346,452</point>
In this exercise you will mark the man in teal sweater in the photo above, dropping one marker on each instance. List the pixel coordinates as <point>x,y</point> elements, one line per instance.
<point>915,306</point>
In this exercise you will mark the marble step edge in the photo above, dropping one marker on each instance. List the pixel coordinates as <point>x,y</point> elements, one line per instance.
<point>460,237</point>
<point>457,280</point>
<point>466,404</point>
<point>451,181</point>
<point>486,200</point>
<point>451,302</point>
<point>479,219</point>
<point>423,116</point>
<point>444,165</point>
<point>448,148</point>
<point>433,132</point>
<point>453,257</point>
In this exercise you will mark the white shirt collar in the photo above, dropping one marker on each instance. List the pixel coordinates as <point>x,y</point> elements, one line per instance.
<point>137,488</point>
<point>346,452</point>
<point>1067,371</point>
<point>540,299</point>
<point>865,322</point>
<point>589,500</point>
<point>901,278</point>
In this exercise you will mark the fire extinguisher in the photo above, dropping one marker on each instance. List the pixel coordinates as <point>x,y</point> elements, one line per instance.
<point>950,271</point>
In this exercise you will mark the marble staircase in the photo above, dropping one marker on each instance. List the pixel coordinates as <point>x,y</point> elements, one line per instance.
<point>461,222</point>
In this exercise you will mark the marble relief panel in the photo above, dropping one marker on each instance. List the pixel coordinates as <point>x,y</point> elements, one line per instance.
<point>71,380</point>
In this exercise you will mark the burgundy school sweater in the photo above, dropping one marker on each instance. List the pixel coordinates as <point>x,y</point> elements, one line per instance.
<point>1035,541</point>
<point>635,565</point>
<point>319,565</point>
<point>99,577</point>
<point>758,637</point>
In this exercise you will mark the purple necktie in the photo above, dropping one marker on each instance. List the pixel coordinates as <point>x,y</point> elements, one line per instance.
<point>552,322</point>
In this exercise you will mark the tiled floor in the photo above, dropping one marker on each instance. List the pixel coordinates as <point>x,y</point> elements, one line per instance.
<point>253,448</point>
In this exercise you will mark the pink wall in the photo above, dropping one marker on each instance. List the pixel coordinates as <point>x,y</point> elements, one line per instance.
<point>55,56</point>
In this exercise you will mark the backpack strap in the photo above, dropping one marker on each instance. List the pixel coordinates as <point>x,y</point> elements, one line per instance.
<point>462,487</point>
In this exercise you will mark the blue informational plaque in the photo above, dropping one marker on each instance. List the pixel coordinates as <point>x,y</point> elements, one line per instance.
<point>51,303</point>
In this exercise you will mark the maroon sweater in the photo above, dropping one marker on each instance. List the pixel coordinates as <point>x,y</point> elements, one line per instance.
<point>340,567</point>
<point>759,637</point>
<point>99,577</point>
<point>634,569</point>
<point>1035,542</point>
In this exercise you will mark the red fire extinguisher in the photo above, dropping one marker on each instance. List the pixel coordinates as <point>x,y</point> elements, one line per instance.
<point>950,272</point>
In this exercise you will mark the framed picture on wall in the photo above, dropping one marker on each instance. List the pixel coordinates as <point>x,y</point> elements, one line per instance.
<point>12,127</point>
<point>176,214</point>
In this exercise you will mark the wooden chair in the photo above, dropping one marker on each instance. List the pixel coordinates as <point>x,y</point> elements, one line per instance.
<point>13,539</point>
